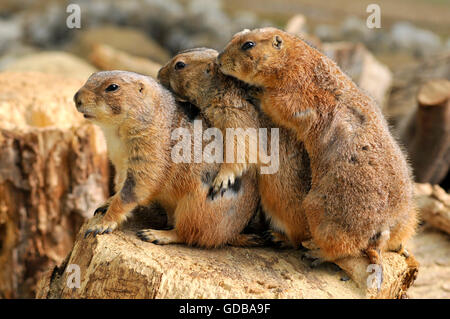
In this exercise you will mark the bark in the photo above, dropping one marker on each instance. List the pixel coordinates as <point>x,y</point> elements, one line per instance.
<point>49,181</point>
<point>53,173</point>
<point>427,135</point>
<point>119,265</point>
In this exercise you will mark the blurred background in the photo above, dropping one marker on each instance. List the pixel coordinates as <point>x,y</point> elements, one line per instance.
<point>53,166</point>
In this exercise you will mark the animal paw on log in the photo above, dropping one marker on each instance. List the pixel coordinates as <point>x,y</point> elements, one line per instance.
<point>121,265</point>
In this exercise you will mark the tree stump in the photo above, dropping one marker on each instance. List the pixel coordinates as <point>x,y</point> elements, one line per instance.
<point>406,84</point>
<point>120,265</point>
<point>53,173</point>
<point>427,135</point>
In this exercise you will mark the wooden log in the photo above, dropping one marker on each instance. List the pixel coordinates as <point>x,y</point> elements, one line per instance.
<point>107,58</point>
<point>431,247</point>
<point>434,206</point>
<point>402,101</point>
<point>129,40</point>
<point>53,173</point>
<point>427,135</point>
<point>54,62</point>
<point>120,265</point>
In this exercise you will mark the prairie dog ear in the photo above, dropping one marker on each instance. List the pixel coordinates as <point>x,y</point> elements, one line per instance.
<point>277,42</point>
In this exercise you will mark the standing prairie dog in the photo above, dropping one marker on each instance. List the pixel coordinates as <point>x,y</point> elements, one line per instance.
<point>137,116</point>
<point>193,76</point>
<point>361,197</point>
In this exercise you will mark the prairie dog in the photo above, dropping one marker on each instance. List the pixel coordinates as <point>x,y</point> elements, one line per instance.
<point>193,76</point>
<point>361,197</point>
<point>138,116</point>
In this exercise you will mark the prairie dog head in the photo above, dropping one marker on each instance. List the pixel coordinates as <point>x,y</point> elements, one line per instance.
<point>189,74</point>
<point>255,57</point>
<point>111,97</point>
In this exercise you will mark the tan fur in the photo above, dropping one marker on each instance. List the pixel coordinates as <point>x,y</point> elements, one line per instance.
<point>223,101</point>
<point>361,198</point>
<point>137,120</point>
<point>226,113</point>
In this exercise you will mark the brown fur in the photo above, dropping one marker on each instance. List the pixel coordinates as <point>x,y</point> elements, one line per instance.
<point>223,101</point>
<point>139,145</point>
<point>227,109</point>
<point>361,197</point>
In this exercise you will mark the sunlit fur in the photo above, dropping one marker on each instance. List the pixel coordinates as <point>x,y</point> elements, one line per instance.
<point>139,146</point>
<point>361,198</point>
<point>223,100</point>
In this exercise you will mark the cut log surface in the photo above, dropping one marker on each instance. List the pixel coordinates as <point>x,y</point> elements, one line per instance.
<point>407,82</point>
<point>119,265</point>
<point>53,173</point>
<point>434,92</point>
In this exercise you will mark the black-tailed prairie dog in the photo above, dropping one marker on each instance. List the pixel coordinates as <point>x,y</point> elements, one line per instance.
<point>193,76</point>
<point>361,197</point>
<point>138,116</point>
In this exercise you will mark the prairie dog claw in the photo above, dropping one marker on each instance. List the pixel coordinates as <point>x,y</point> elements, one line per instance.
<point>223,181</point>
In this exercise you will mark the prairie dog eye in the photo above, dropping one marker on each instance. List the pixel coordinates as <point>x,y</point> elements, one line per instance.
<point>111,88</point>
<point>248,45</point>
<point>179,65</point>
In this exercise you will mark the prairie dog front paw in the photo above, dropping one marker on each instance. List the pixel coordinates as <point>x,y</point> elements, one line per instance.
<point>100,226</point>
